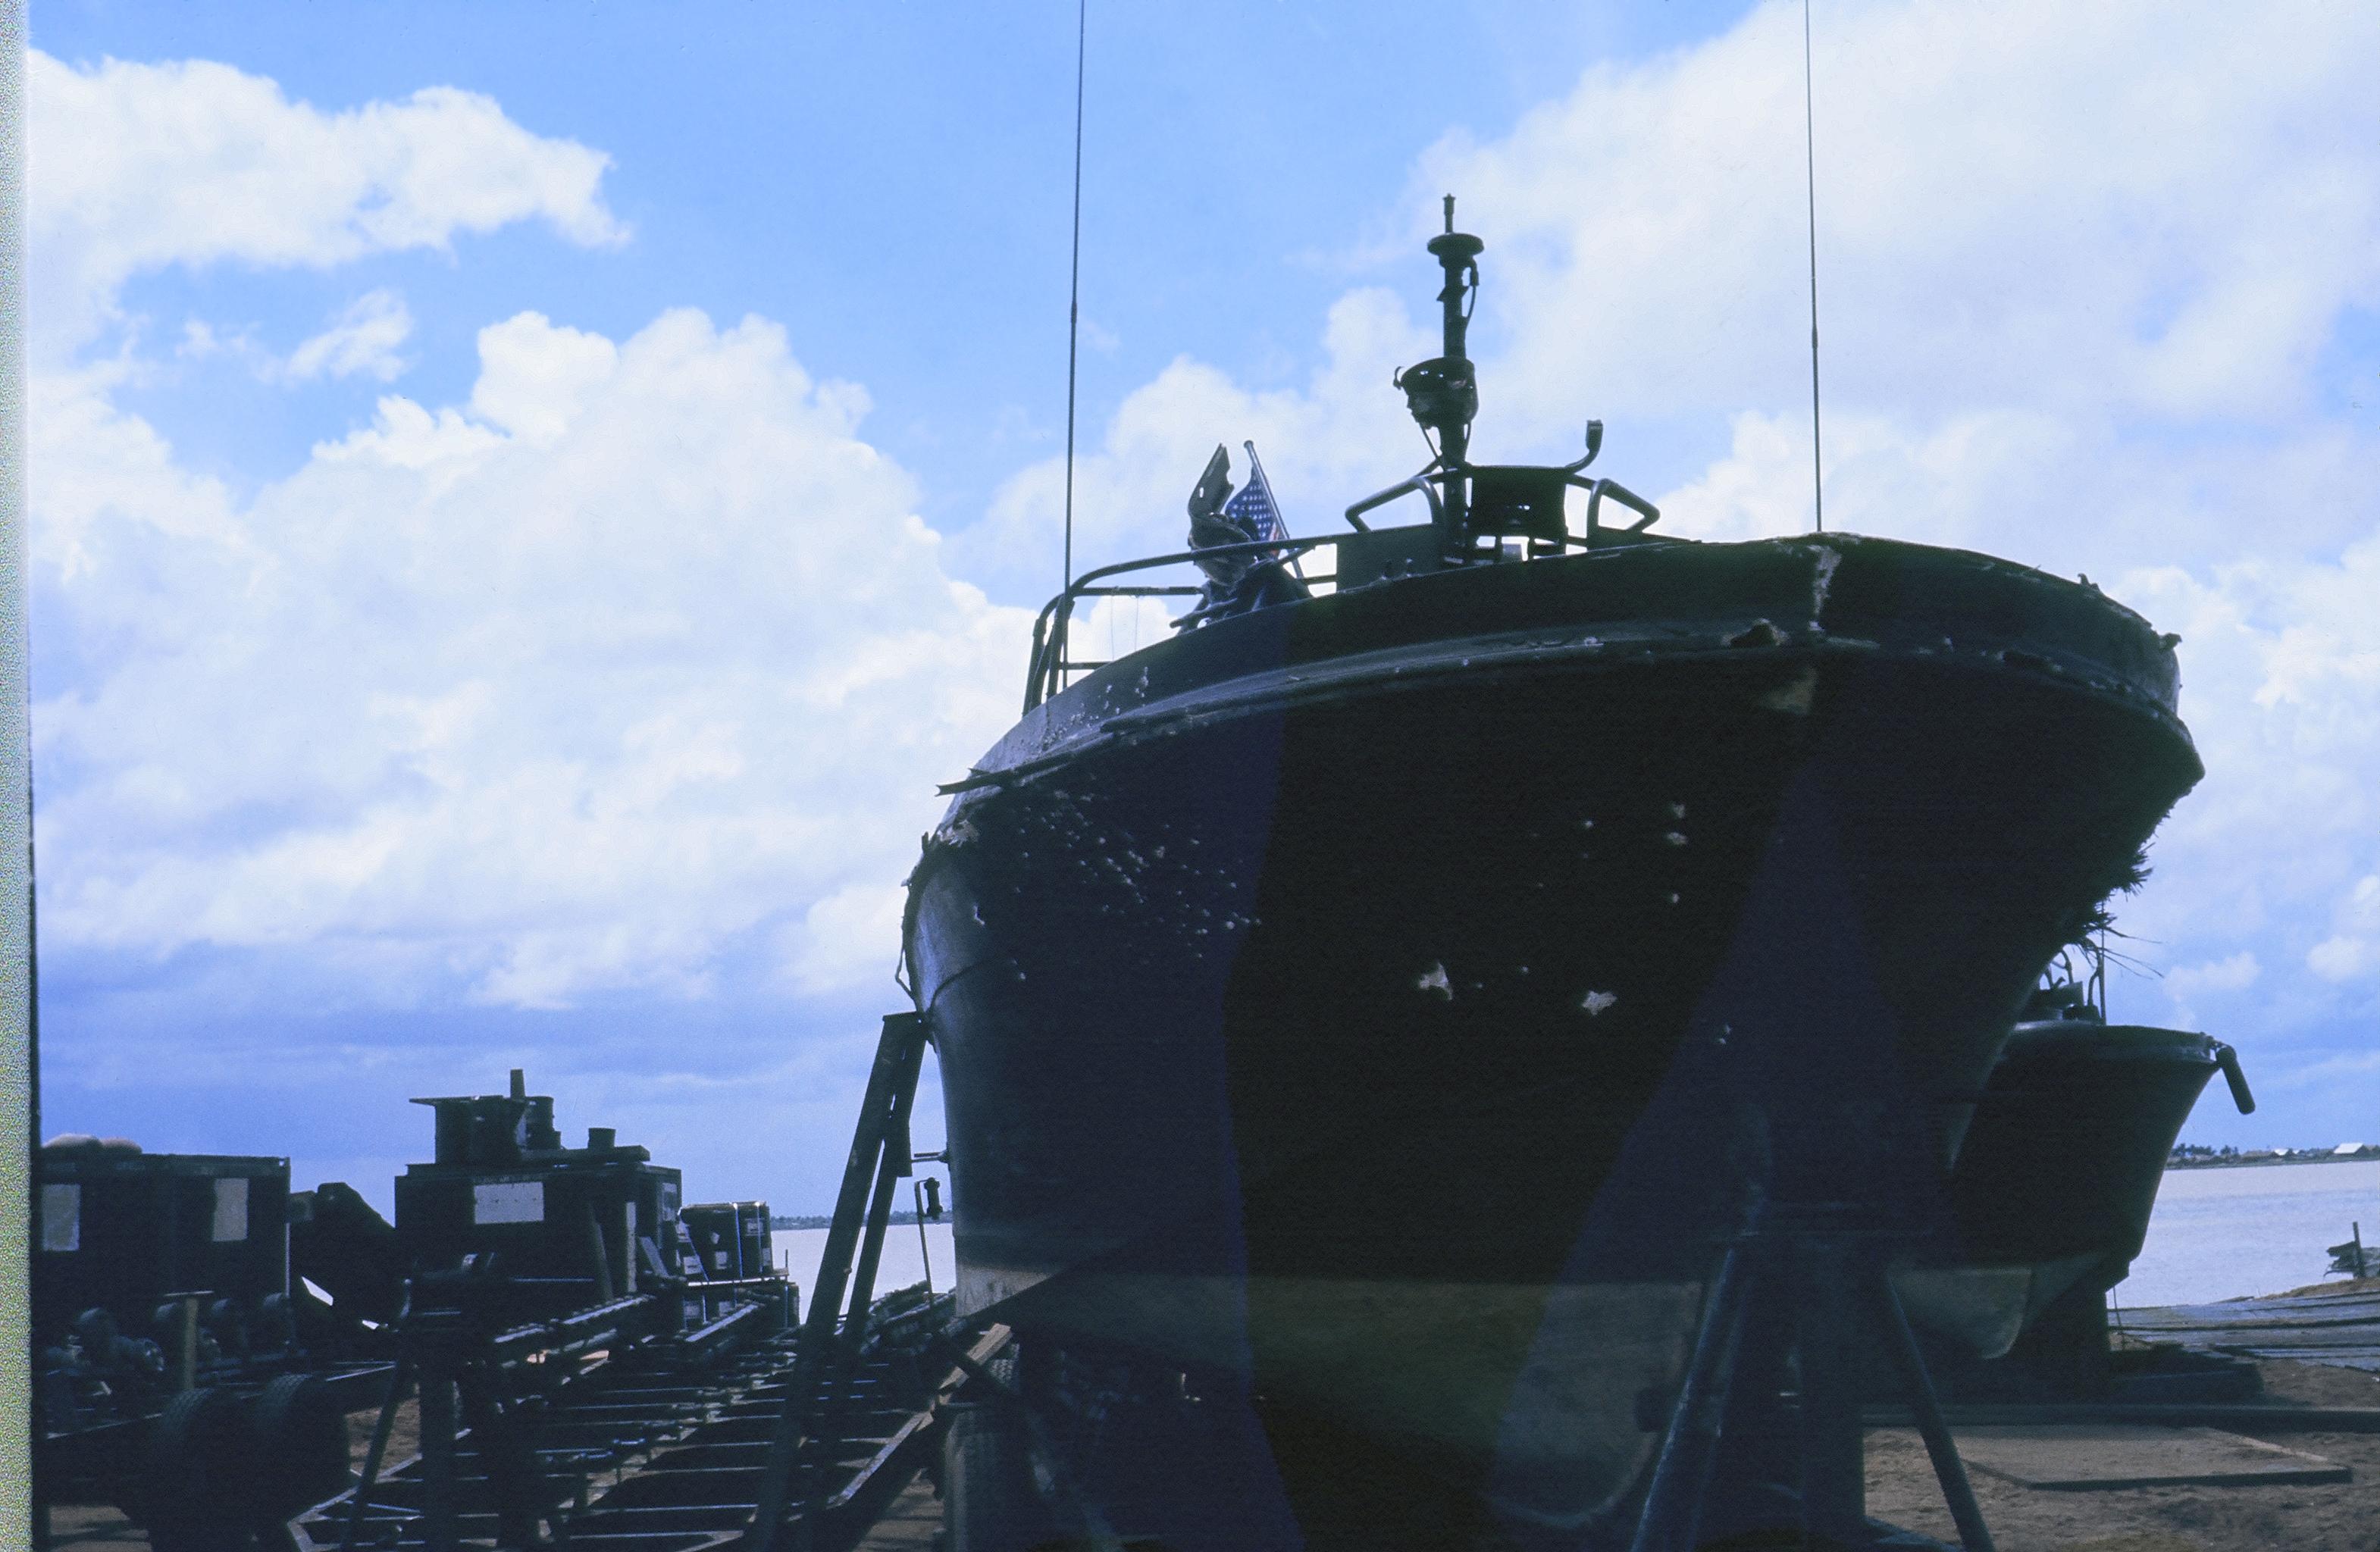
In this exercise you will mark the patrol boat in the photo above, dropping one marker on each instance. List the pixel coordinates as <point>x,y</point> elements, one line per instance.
<point>1365,1016</point>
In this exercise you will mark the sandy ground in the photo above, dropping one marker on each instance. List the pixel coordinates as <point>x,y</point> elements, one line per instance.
<point>2341,1517</point>
<point>2337,1285</point>
<point>404,1434</point>
<point>91,1528</point>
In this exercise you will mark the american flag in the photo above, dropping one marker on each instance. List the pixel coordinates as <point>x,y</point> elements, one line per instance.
<point>1252,508</point>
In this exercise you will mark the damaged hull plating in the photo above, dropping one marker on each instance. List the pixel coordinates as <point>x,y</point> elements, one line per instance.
<point>1365,1017</point>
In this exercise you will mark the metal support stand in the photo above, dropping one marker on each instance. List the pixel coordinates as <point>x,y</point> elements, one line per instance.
<point>879,1156</point>
<point>1834,1279</point>
<point>439,1511</point>
<point>398,1380</point>
<point>1826,1278</point>
<point>1673,1501</point>
<point>1948,1468</point>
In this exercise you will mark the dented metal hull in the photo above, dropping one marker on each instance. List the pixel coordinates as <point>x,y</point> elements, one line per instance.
<point>1375,1009</point>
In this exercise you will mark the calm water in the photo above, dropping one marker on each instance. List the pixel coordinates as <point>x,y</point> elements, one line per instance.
<point>2228,1234</point>
<point>903,1263</point>
<point>2215,1234</point>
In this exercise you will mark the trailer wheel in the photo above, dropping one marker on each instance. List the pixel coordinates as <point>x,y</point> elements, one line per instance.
<point>301,1445</point>
<point>988,1500</point>
<point>198,1451</point>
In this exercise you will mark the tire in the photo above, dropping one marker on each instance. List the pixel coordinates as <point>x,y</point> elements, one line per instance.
<point>193,1481</point>
<point>988,1500</point>
<point>301,1443</point>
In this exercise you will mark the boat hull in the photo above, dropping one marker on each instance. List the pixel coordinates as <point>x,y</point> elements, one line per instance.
<point>2052,1195</point>
<point>1383,1027</point>
<point>2069,1145</point>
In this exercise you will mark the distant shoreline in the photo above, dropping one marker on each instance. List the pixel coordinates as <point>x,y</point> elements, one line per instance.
<point>2269,1163</point>
<point>787,1223</point>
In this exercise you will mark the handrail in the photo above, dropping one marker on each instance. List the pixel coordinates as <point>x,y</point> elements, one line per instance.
<point>1050,625</point>
<point>1599,489</point>
<point>1380,498</point>
<point>1596,489</point>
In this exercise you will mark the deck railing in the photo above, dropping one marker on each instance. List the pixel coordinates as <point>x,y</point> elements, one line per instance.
<point>1050,664</point>
<point>1544,529</point>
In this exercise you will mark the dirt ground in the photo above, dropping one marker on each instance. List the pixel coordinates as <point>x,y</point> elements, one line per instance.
<point>103,1528</point>
<point>404,1434</point>
<point>2341,1517</point>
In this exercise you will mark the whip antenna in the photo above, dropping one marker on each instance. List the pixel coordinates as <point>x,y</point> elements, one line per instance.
<point>1810,150</point>
<point>1074,288</point>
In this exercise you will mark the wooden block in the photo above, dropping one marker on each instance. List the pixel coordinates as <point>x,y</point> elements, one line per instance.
<point>2086,1456</point>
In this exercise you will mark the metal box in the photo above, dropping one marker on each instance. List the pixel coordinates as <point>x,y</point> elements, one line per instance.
<point>567,1227</point>
<point>732,1238</point>
<point>120,1230</point>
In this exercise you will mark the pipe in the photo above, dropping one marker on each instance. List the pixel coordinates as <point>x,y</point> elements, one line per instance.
<point>2230,1061</point>
<point>187,1376</point>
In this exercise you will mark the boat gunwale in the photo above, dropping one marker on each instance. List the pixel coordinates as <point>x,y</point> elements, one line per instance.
<point>1112,701</point>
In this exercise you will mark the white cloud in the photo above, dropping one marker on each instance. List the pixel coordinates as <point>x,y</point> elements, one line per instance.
<point>135,167</point>
<point>364,339</point>
<point>847,937</point>
<point>201,340</point>
<point>2284,703</point>
<point>578,687</point>
<point>2234,973</point>
<point>534,377</point>
<point>2125,210</point>
<point>637,653</point>
<point>2354,952</point>
<point>2343,958</point>
<point>2063,321</point>
<point>1344,432</point>
<point>599,676</point>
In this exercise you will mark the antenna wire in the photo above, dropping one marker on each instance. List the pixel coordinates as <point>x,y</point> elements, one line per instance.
<point>1810,149</point>
<point>1074,288</point>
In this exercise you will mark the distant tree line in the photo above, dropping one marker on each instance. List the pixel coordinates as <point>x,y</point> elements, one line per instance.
<point>2186,1155</point>
<point>822,1220</point>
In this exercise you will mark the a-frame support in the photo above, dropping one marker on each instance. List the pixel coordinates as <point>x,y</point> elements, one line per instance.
<point>838,1314</point>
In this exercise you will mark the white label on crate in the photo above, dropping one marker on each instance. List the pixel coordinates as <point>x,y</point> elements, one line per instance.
<point>508,1202</point>
<point>231,1209</point>
<point>62,1216</point>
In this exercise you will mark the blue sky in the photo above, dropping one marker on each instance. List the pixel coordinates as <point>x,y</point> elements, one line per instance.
<point>891,183</point>
<point>527,505</point>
